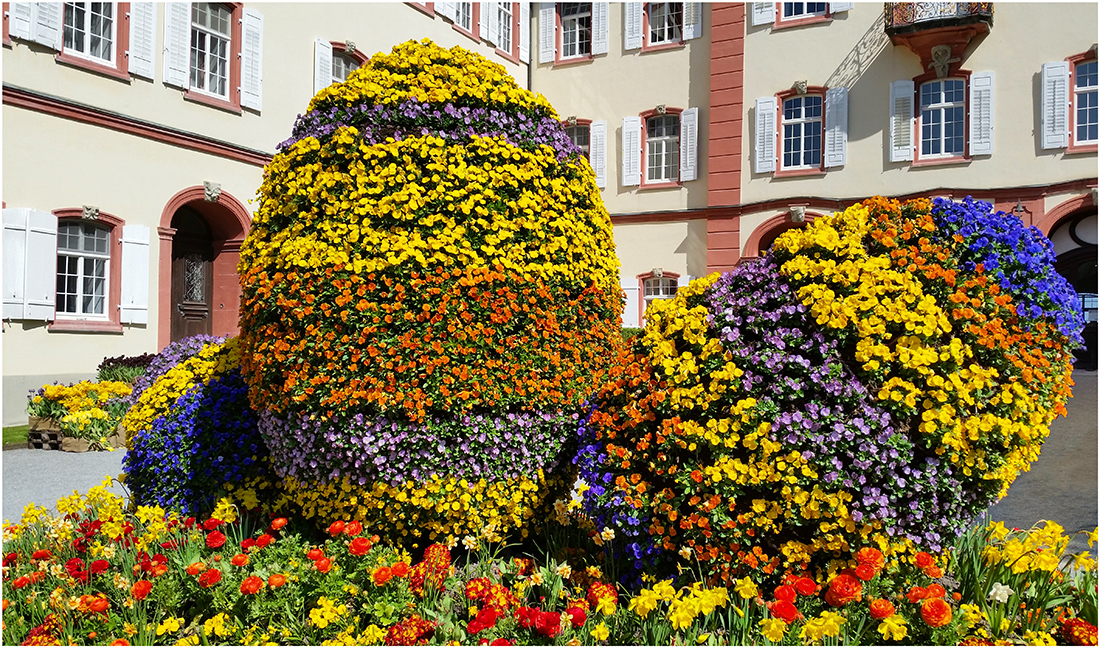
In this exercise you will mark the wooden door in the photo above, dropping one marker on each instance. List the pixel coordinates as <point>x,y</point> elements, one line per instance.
<point>192,276</point>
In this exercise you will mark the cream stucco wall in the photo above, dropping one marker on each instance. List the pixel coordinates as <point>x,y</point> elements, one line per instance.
<point>853,51</point>
<point>290,30</point>
<point>626,83</point>
<point>678,246</point>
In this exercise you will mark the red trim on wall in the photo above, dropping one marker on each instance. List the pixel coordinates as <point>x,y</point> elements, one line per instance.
<point>7,36</point>
<point>114,282</point>
<point>358,56</point>
<point>954,73</point>
<point>120,70</point>
<point>558,48</point>
<point>229,222</point>
<point>1052,218</point>
<point>724,130</point>
<point>652,112</point>
<point>513,55</point>
<point>475,16</point>
<point>642,302</point>
<point>86,114</point>
<point>1073,61</point>
<point>233,104</point>
<point>780,97</point>
<point>776,224</point>
<point>646,47</point>
<point>427,8</point>
<point>799,22</point>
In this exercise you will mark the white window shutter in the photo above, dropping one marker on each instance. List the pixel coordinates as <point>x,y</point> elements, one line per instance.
<point>837,7</point>
<point>483,19</point>
<point>981,113</point>
<point>689,140</point>
<point>597,151</point>
<point>15,261</point>
<point>322,65</point>
<point>632,21</point>
<point>525,32</point>
<point>1055,105</point>
<point>764,157</point>
<point>693,20</point>
<point>682,281</point>
<point>601,32</point>
<point>20,18</point>
<point>40,276</point>
<point>631,305</point>
<point>446,9</point>
<point>901,121</point>
<point>547,31</point>
<point>143,39</point>
<point>836,127</point>
<point>763,13</point>
<point>177,44</point>
<point>492,33</point>
<point>252,60</point>
<point>632,151</point>
<point>134,302</point>
<point>47,24</point>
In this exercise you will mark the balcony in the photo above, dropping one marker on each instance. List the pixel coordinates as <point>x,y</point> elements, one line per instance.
<point>908,17</point>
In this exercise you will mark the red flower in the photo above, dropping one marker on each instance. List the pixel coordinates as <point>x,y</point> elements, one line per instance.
<point>881,608</point>
<point>785,610</point>
<point>382,576</point>
<point>579,616</point>
<point>323,565</point>
<point>276,580</point>
<point>41,554</point>
<point>248,542</point>
<point>785,593</point>
<point>194,568</point>
<point>400,569</point>
<point>98,566</point>
<point>935,612</point>
<point>21,582</point>
<point>278,523</point>
<point>865,572</point>
<point>336,528</point>
<point>210,578</point>
<point>37,576</point>
<point>843,590</point>
<point>141,589</point>
<point>10,559</point>
<point>264,540</point>
<point>805,586</point>
<point>240,560</point>
<point>548,624</point>
<point>252,584</point>
<point>99,605</point>
<point>359,546</point>
<point>501,642</point>
<point>871,557</point>
<point>485,619</point>
<point>353,528</point>
<point>215,539</point>
<point>74,565</point>
<point>526,616</point>
<point>935,590</point>
<point>933,572</point>
<point>315,554</point>
<point>916,594</point>
<point>120,642</point>
<point>211,524</point>
<point>923,559</point>
<point>1079,632</point>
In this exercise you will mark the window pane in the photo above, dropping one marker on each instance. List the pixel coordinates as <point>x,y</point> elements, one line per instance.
<point>792,108</point>
<point>1086,75</point>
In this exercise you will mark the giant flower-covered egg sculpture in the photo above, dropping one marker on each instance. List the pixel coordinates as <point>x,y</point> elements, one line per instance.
<point>878,378</point>
<point>430,293</point>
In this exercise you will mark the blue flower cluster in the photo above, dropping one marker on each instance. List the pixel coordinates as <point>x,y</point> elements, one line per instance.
<point>172,355</point>
<point>208,438</point>
<point>1014,256</point>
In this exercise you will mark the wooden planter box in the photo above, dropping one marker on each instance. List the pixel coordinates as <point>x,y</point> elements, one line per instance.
<point>45,434</point>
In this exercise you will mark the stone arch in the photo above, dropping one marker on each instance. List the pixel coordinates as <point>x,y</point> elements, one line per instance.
<point>229,221</point>
<point>766,232</point>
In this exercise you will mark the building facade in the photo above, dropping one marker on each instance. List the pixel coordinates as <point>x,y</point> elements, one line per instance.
<point>136,134</point>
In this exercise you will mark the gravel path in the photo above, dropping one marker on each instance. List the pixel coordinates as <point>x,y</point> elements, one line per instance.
<point>44,476</point>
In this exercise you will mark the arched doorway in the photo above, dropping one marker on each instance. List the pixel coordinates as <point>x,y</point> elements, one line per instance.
<point>201,232</point>
<point>1075,243</point>
<point>765,234</point>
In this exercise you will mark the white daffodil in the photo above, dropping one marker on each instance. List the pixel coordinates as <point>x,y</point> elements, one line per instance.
<point>1000,593</point>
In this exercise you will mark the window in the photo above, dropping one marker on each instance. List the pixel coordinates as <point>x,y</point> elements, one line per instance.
<point>942,118</point>
<point>659,288</point>
<point>802,134</point>
<point>579,135</point>
<point>210,37</point>
<point>89,30</point>
<point>576,29</point>
<point>464,15</point>
<point>803,9</point>
<point>83,269</point>
<point>504,26</point>
<point>1084,103</point>
<point>666,22</point>
<point>342,66</point>
<point>662,148</point>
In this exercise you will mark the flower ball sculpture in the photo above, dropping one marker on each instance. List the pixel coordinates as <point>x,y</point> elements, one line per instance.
<point>878,378</point>
<point>429,294</point>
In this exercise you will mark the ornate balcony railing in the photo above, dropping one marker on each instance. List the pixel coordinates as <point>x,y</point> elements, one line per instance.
<point>908,17</point>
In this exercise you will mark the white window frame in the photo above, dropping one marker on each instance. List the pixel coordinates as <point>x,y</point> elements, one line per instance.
<point>802,122</point>
<point>672,32</point>
<point>206,75</point>
<point>68,10</point>
<point>344,62</point>
<point>669,146</point>
<point>572,24</point>
<point>940,108</point>
<point>574,131</point>
<point>84,260</point>
<point>803,12</point>
<point>1078,91</point>
<point>464,15</point>
<point>504,26</point>
<point>654,288</point>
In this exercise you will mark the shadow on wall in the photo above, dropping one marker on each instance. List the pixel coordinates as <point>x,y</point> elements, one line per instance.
<point>866,50</point>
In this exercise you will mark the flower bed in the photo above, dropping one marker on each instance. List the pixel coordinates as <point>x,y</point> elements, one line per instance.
<point>95,574</point>
<point>86,411</point>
